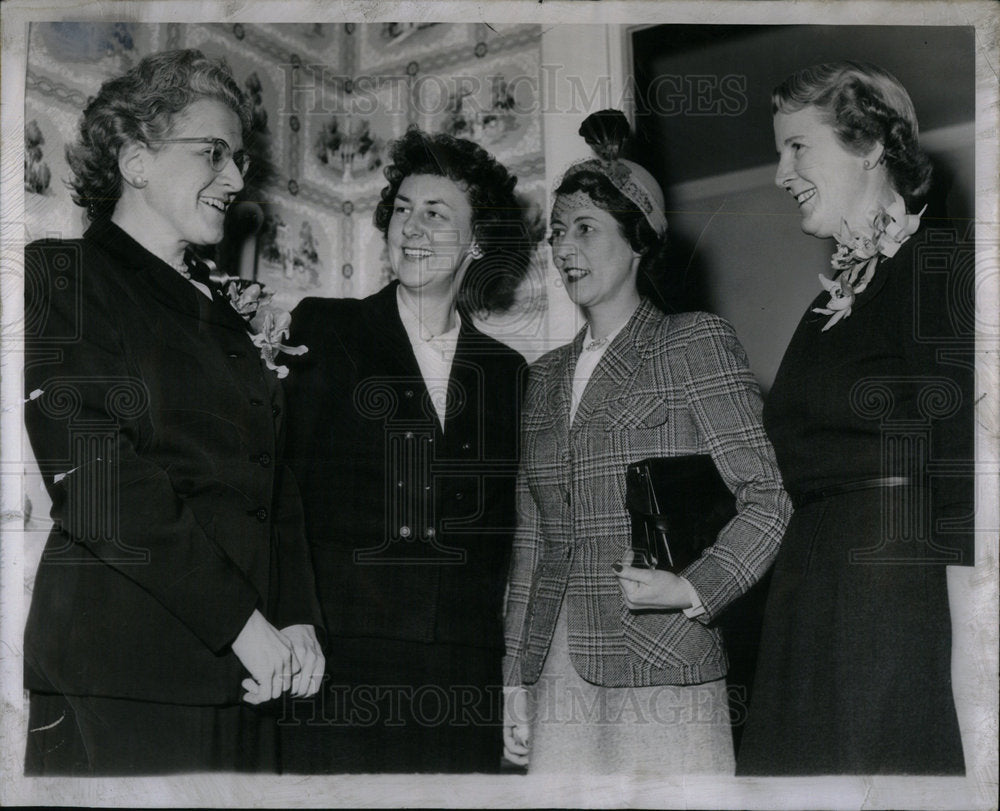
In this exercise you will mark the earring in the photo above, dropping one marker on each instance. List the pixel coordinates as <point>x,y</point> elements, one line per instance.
<point>476,252</point>
<point>869,165</point>
<point>139,182</point>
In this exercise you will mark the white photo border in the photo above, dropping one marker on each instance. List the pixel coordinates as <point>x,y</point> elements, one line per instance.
<point>975,618</point>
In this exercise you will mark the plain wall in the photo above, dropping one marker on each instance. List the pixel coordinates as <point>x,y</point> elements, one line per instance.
<point>755,267</point>
<point>706,134</point>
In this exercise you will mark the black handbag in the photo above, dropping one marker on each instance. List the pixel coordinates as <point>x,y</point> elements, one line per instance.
<point>678,506</point>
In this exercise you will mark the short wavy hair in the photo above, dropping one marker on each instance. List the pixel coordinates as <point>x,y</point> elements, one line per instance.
<point>651,279</point>
<point>865,105</point>
<point>501,221</point>
<point>138,107</point>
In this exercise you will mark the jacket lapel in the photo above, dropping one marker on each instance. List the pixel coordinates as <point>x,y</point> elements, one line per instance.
<point>559,387</point>
<point>398,363</point>
<point>161,281</point>
<point>466,376</point>
<point>389,336</point>
<point>616,369</point>
<point>219,311</point>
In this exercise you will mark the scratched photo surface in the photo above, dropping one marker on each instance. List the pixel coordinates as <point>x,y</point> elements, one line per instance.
<point>363,333</point>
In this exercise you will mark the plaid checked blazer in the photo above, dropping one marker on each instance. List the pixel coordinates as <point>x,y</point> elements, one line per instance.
<point>666,386</point>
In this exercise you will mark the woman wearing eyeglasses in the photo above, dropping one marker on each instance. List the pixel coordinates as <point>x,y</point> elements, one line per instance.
<point>175,595</point>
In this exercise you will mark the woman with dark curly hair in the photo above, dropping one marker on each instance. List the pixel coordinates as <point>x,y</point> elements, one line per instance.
<point>871,419</point>
<point>404,421</point>
<point>175,591</point>
<point>613,668</point>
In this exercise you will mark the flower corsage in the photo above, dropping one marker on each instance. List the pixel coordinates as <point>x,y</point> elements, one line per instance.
<point>268,324</point>
<point>857,255</point>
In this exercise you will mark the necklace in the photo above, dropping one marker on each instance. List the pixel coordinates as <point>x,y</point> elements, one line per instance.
<point>598,343</point>
<point>182,268</point>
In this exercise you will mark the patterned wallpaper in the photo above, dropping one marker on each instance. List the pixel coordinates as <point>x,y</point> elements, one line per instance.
<point>328,98</point>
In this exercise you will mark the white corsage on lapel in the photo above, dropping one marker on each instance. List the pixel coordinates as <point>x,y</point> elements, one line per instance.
<point>268,325</point>
<point>858,253</point>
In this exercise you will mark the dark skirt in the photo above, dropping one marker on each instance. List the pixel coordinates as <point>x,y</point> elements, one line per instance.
<point>854,670</point>
<point>93,736</point>
<point>392,706</point>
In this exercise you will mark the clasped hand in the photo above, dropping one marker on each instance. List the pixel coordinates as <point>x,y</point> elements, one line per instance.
<point>652,588</point>
<point>278,661</point>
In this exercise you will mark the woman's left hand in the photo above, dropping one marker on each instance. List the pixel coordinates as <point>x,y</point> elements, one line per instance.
<point>310,655</point>
<point>653,588</point>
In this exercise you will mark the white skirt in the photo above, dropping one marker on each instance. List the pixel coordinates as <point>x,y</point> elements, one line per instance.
<point>583,728</point>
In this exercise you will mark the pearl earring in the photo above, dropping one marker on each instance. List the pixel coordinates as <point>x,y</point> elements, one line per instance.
<point>139,182</point>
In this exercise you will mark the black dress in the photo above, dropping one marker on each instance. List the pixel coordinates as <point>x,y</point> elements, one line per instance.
<point>872,424</point>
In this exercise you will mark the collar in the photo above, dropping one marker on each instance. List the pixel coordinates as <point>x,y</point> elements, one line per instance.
<point>118,243</point>
<point>160,279</point>
<point>633,331</point>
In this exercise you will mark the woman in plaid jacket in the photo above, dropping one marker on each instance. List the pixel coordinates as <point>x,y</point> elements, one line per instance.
<point>610,668</point>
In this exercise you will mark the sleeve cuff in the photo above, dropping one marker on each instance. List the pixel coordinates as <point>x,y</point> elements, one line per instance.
<point>697,607</point>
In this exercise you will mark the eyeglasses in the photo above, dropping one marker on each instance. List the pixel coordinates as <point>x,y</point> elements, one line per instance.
<point>220,155</point>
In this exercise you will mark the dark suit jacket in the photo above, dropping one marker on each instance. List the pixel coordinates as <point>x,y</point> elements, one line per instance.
<point>410,527</point>
<point>158,433</point>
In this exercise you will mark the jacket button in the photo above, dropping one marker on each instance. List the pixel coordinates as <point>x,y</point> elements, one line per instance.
<point>466,446</point>
<point>404,532</point>
<point>459,495</point>
<point>430,533</point>
<point>264,459</point>
<point>261,514</point>
<point>408,393</point>
<point>235,355</point>
<point>408,435</point>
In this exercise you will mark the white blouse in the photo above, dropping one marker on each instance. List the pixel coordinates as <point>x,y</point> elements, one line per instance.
<point>591,355</point>
<point>434,355</point>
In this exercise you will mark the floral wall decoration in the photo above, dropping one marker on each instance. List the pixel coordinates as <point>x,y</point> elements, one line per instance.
<point>255,91</point>
<point>482,126</point>
<point>289,260</point>
<point>328,100</point>
<point>87,42</point>
<point>36,171</point>
<point>348,146</point>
